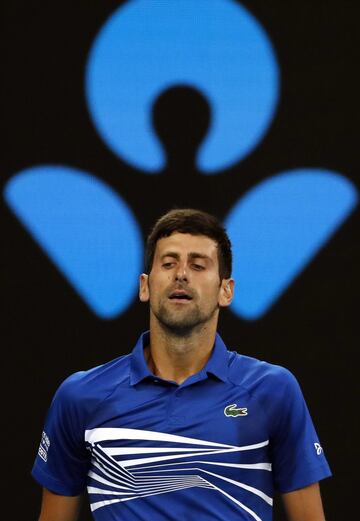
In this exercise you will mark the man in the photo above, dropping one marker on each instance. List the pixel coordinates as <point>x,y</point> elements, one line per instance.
<point>181,428</point>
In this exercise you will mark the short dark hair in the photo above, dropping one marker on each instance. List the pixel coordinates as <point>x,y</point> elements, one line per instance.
<point>195,222</point>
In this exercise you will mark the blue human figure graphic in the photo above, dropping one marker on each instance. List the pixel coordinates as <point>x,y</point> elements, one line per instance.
<point>220,49</point>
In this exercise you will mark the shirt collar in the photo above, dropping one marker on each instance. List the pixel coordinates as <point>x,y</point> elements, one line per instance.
<point>138,366</point>
<point>217,364</point>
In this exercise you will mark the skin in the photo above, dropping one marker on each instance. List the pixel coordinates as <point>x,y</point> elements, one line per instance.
<point>304,504</point>
<point>182,334</point>
<point>59,508</point>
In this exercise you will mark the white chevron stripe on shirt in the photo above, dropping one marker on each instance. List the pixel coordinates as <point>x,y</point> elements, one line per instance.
<point>164,468</point>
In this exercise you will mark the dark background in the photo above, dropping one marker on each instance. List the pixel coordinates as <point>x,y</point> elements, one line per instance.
<point>50,333</point>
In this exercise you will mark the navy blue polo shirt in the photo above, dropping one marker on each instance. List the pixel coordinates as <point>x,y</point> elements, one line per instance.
<point>215,447</point>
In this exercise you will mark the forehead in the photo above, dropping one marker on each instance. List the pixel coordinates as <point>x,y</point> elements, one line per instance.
<point>185,243</point>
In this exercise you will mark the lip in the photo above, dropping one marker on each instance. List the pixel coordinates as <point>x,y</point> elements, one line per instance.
<point>180,300</point>
<point>177,296</point>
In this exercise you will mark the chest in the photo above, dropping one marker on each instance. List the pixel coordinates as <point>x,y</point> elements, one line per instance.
<point>180,450</point>
<point>212,416</point>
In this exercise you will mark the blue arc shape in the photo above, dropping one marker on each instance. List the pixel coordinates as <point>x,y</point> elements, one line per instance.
<point>216,46</point>
<point>85,228</point>
<point>278,227</point>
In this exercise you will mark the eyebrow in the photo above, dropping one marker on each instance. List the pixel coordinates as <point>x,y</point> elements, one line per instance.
<point>191,255</point>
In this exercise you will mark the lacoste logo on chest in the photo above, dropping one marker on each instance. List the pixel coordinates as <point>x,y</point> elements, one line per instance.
<point>234,410</point>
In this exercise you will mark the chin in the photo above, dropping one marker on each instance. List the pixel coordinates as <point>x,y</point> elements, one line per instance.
<point>181,326</point>
<point>180,329</point>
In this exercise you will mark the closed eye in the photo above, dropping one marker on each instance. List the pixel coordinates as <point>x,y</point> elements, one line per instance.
<point>198,267</point>
<point>168,265</point>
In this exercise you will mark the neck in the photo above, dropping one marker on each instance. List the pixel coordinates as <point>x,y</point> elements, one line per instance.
<point>174,357</point>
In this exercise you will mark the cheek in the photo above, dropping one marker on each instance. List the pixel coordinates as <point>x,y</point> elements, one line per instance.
<point>158,284</point>
<point>211,288</point>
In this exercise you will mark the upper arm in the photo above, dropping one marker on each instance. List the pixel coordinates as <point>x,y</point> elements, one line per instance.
<point>304,504</point>
<point>63,461</point>
<point>296,453</point>
<point>59,508</point>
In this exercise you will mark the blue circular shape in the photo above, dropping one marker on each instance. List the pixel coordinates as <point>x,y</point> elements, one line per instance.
<point>218,47</point>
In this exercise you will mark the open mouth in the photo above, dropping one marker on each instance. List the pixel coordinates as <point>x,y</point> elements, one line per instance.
<point>180,295</point>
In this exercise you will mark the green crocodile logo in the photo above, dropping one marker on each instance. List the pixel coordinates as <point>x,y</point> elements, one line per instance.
<point>234,410</point>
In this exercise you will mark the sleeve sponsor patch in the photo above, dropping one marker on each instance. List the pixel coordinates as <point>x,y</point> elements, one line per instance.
<point>44,446</point>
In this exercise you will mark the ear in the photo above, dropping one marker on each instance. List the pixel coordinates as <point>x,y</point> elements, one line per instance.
<point>144,288</point>
<point>226,292</point>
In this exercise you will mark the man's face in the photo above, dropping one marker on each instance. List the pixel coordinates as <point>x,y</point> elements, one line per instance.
<point>184,287</point>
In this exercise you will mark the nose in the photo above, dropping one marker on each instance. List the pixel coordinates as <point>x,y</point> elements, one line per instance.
<point>181,273</point>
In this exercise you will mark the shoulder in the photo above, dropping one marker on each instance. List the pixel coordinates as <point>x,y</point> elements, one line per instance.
<point>273,387</point>
<point>259,376</point>
<point>95,384</point>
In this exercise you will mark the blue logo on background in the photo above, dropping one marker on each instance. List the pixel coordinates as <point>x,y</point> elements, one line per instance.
<point>218,47</point>
<point>276,229</point>
<point>85,228</point>
<point>90,233</point>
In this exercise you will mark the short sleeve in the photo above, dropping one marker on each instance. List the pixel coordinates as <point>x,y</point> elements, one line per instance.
<point>62,461</point>
<point>298,458</point>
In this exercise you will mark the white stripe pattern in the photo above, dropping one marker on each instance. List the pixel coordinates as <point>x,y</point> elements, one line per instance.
<point>154,475</point>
